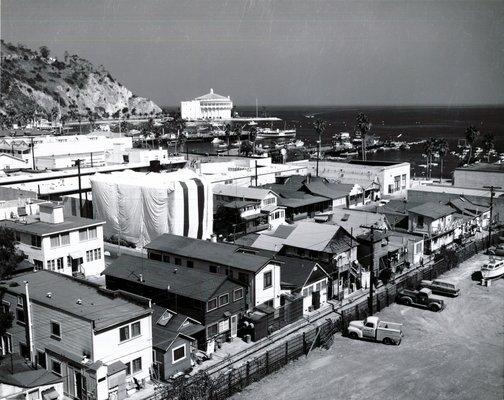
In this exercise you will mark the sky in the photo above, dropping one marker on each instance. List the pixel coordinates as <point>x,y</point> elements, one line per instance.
<point>297,52</point>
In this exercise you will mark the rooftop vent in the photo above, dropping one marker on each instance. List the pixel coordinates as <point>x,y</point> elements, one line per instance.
<point>175,270</point>
<point>79,302</point>
<point>49,295</point>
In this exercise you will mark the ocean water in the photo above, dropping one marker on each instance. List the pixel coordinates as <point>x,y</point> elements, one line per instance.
<point>411,123</point>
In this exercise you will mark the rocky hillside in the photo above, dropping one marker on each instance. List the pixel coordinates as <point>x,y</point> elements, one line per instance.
<point>32,82</point>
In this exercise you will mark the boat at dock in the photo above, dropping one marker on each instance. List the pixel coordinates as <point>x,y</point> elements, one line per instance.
<point>493,269</point>
<point>268,133</point>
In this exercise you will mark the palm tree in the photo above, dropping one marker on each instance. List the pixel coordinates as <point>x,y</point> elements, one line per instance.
<point>246,148</point>
<point>362,127</point>
<point>320,127</point>
<point>488,144</point>
<point>227,132</point>
<point>253,135</point>
<point>471,134</point>
<point>429,148</point>
<point>442,148</point>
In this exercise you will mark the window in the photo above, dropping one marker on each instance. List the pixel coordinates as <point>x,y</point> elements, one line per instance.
<point>23,350</point>
<point>178,353</point>
<point>39,265</point>
<point>238,294</point>
<point>135,329</point>
<point>56,367</point>
<point>20,301</point>
<point>92,233</point>
<point>243,277</point>
<point>33,395</point>
<point>178,261</point>
<point>212,304</point>
<point>55,241</point>
<point>89,255</point>
<point>212,269</point>
<point>190,264</point>
<point>223,300</point>
<point>420,221</point>
<point>166,258</point>
<point>51,265</point>
<point>36,241</point>
<point>41,359</point>
<point>59,263</point>
<point>124,333</point>
<point>155,256</point>
<point>83,234</point>
<point>6,307</point>
<point>212,330</point>
<point>20,315</point>
<point>137,364</point>
<point>128,368</point>
<point>60,240</point>
<point>55,330</point>
<point>267,280</point>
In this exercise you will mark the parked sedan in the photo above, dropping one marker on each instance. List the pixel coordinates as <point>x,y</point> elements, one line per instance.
<point>441,287</point>
<point>497,250</point>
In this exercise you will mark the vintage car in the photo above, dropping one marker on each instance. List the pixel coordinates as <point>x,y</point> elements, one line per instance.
<point>497,250</point>
<point>439,286</point>
<point>420,298</point>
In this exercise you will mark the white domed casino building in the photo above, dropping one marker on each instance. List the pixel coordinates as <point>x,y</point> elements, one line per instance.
<point>209,106</point>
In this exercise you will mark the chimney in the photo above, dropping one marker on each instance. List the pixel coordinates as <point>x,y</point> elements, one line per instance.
<point>51,213</point>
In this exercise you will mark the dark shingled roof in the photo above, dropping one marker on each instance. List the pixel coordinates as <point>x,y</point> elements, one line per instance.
<point>24,376</point>
<point>295,272</point>
<point>219,253</point>
<point>36,227</point>
<point>105,308</point>
<point>432,210</point>
<point>188,282</point>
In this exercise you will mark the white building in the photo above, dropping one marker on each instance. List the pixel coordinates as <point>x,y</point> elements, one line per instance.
<point>99,342</point>
<point>62,151</point>
<point>69,245</point>
<point>209,106</point>
<point>392,178</point>
<point>8,161</point>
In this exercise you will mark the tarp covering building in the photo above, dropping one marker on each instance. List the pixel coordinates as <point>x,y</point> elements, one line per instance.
<point>139,207</point>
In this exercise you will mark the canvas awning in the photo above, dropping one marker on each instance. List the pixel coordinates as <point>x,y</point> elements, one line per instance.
<point>50,394</point>
<point>77,254</point>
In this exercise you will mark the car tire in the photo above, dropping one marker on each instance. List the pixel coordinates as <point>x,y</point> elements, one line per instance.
<point>353,335</point>
<point>434,307</point>
<point>407,301</point>
<point>387,340</point>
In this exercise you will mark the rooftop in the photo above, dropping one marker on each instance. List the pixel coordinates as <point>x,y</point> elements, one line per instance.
<point>295,272</point>
<point>482,167</point>
<point>239,203</point>
<point>219,253</point>
<point>351,220</point>
<point>241,192</point>
<point>62,292</point>
<point>183,281</point>
<point>317,237</point>
<point>16,372</point>
<point>432,210</point>
<point>212,96</point>
<point>34,226</point>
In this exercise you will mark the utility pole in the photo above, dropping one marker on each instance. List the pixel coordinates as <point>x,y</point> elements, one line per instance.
<point>31,347</point>
<point>78,163</point>
<point>492,194</point>
<point>372,228</point>
<point>33,152</point>
<point>256,172</point>
<point>319,141</point>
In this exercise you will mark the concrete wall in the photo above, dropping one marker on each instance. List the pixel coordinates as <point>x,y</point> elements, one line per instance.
<point>477,179</point>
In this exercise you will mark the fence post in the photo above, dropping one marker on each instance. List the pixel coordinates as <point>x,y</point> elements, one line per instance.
<point>247,373</point>
<point>304,343</point>
<point>229,383</point>
<point>286,352</point>
<point>267,363</point>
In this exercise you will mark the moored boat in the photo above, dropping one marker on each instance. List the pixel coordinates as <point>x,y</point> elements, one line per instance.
<point>493,269</point>
<point>267,133</point>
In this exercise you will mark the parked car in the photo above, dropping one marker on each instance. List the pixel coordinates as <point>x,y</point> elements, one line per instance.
<point>421,298</point>
<point>497,250</point>
<point>373,329</point>
<point>439,286</point>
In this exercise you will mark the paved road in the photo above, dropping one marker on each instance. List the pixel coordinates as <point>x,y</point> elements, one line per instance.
<point>455,354</point>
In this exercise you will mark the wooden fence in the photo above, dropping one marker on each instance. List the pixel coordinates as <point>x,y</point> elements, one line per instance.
<point>234,380</point>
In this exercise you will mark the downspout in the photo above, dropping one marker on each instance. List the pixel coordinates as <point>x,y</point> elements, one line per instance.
<point>31,345</point>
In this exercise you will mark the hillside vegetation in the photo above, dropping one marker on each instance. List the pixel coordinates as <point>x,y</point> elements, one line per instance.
<point>35,84</point>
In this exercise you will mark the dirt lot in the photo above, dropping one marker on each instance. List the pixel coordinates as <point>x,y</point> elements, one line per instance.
<point>455,354</point>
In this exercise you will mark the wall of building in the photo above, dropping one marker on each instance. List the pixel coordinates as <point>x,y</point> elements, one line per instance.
<point>477,179</point>
<point>17,392</point>
<point>109,349</point>
<point>319,286</point>
<point>171,368</point>
<point>273,293</point>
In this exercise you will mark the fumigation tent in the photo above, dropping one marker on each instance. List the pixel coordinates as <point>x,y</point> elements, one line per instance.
<point>138,207</point>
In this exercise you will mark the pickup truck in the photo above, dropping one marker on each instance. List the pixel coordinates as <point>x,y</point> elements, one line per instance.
<point>421,298</point>
<point>373,329</point>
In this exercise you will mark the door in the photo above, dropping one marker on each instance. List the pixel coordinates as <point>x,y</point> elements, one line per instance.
<point>80,386</point>
<point>368,330</point>
<point>316,300</point>
<point>234,325</point>
<point>76,262</point>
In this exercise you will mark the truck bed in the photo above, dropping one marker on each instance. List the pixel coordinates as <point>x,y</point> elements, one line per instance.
<point>389,325</point>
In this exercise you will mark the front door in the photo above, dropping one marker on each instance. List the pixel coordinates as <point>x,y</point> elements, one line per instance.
<point>234,325</point>
<point>76,262</point>
<point>80,386</point>
<point>316,300</point>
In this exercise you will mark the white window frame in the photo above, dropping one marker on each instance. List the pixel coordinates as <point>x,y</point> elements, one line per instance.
<point>234,294</point>
<point>180,359</point>
<point>223,295</point>
<point>54,361</point>
<point>133,366</point>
